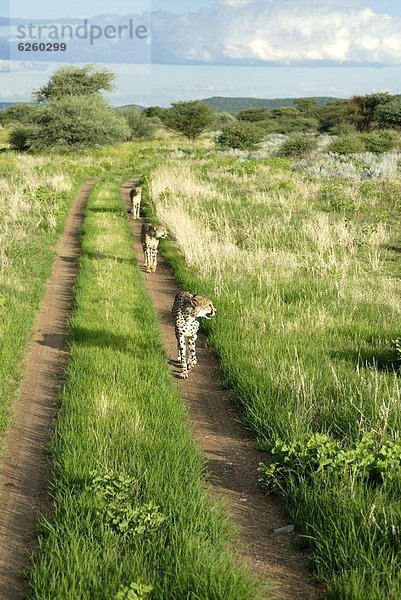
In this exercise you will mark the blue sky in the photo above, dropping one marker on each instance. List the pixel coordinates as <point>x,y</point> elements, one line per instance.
<point>267,48</point>
<point>77,8</point>
<point>74,8</point>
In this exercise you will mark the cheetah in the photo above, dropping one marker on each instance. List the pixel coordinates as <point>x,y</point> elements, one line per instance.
<point>187,308</point>
<point>135,197</point>
<point>150,237</point>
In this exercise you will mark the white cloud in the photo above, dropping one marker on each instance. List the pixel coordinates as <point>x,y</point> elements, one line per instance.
<point>285,32</point>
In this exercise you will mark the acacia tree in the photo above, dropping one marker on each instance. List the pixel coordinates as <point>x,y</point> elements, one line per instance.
<point>306,106</point>
<point>336,114</point>
<point>366,107</point>
<point>73,80</point>
<point>389,114</point>
<point>72,112</point>
<point>190,118</point>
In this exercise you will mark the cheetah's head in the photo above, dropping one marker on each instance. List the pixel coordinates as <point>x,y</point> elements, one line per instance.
<point>160,231</point>
<point>202,307</point>
<point>138,190</point>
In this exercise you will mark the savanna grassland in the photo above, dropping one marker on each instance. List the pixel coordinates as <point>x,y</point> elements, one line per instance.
<point>304,271</point>
<point>302,263</point>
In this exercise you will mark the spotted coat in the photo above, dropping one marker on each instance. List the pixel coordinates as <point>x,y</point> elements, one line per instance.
<point>135,198</point>
<point>150,238</point>
<point>187,308</point>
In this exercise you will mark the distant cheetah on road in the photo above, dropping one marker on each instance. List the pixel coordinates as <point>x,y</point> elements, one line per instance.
<point>150,237</point>
<point>135,197</point>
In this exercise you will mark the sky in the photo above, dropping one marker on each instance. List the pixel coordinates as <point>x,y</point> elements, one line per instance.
<point>200,48</point>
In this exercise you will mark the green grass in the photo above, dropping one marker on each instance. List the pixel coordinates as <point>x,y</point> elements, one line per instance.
<point>129,502</point>
<point>35,195</point>
<point>305,277</point>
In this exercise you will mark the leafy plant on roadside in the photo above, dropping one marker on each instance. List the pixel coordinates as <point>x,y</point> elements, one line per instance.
<point>137,590</point>
<point>396,346</point>
<point>321,454</point>
<point>120,511</point>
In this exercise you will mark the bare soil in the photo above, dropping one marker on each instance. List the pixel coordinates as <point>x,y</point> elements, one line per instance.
<point>25,472</point>
<point>232,457</point>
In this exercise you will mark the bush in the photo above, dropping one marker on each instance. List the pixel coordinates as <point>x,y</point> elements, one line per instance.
<point>79,122</point>
<point>241,135</point>
<point>140,126</point>
<point>380,141</point>
<point>22,114</point>
<point>189,118</point>
<point>347,144</point>
<point>342,129</point>
<point>23,136</point>
<point>223,119</point>
<point>298,144</point>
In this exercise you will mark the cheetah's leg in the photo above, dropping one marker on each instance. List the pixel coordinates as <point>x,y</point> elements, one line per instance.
<point>154,261</point>
<point>182,353</point>
<point>137,210</point>
<point>148,260</point>
<point>192,361</point>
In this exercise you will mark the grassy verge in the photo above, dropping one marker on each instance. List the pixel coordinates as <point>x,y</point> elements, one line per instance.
<point>35,195</point>
<point>306,281</point>
<point>129,504</point>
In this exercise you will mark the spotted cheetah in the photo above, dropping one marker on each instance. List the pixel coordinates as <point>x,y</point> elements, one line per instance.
<point>187,308</point>
<point>150,237</point>
<point>135,197</point>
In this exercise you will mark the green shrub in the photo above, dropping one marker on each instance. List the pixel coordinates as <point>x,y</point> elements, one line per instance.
<point>241,135</point>
<point>347,144</point>
<point>368,459</point>
<point>23,136</point>
<point>189,118</point>
<point>342,129</point>
<point>22,114</point>
<point>140,126</point>
<point>298,144</point>
<point>136,591</point>
<point>223,119</point>
<point>380,141</point>
<point>79,122</point>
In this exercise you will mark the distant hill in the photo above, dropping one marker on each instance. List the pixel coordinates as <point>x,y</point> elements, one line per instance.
<point>222,104</point>
<point>137,106</point>
<point>5,105</point>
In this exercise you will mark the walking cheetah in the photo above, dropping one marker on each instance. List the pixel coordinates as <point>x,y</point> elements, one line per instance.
<point>135,197</point>
<point>187,308</point>
<point>150,237</point>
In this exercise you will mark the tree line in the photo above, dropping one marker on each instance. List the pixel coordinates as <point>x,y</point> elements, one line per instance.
<point>69,111</point>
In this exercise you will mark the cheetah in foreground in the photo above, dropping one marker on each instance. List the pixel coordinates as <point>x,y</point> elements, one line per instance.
<point>135,197</point>
<point>150,237</point>
<point>187,308</point>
